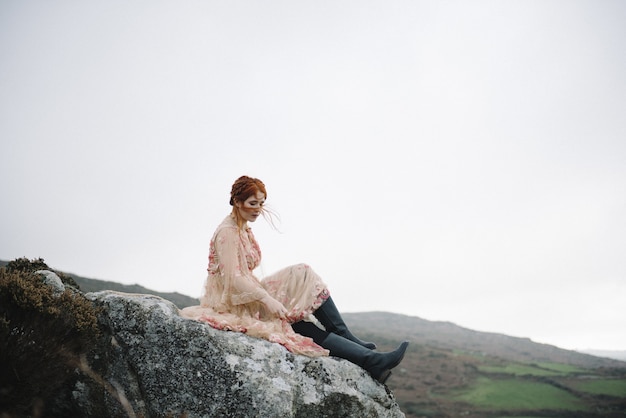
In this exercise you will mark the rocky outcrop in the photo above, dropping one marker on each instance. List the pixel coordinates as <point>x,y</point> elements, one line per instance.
<point>153,363</point>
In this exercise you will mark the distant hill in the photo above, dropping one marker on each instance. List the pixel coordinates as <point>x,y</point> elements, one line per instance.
<point>93,285</point>
<point>617,355</point>
<point>449,336</point>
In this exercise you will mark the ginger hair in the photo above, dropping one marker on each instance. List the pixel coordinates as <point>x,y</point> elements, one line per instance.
<point>243,188</point>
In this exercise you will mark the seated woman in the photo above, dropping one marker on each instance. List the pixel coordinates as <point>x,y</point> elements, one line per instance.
<point>293,299</point>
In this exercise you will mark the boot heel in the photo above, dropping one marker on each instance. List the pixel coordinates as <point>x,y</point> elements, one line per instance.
<point>379,365</point>
<point>384,376</point>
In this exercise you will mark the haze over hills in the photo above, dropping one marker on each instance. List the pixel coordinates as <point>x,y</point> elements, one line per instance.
<point>613,354</point>
<point>393,327</point>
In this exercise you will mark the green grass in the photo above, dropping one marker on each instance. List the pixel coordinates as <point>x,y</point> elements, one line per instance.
<point>511,394</point>
<point>540,369</point>
<point>519,370</point>
<point>562,368</point>
<point>611,387</point>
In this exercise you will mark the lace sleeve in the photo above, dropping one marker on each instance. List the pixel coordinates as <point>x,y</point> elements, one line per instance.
<point>239,282</point>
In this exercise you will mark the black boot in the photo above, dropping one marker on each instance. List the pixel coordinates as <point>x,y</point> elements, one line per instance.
<point>330,317</point>
<point>378,365</point>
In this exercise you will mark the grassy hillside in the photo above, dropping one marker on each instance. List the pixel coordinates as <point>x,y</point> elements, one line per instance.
<point>435,382</point>
<point>451,371</point>
<point>447,335</point>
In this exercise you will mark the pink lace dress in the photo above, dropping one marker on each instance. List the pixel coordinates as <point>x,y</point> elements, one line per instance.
<point>232,294</point>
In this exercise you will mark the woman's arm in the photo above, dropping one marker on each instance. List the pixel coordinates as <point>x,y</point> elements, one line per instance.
<point>239,281</point>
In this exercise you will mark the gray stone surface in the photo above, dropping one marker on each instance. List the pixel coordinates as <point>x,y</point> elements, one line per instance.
<point>52,280</point>
<point>154,363</point>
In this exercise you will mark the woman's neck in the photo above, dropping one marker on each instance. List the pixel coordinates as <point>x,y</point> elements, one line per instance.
<point>242,224</point>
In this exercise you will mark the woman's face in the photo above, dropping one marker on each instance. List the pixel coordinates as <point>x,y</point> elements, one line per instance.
<point>252,207</point>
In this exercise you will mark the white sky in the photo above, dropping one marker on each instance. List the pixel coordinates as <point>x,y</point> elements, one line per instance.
<point>452,160</point>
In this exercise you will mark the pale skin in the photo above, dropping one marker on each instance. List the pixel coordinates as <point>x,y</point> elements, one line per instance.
<point>249,210</point>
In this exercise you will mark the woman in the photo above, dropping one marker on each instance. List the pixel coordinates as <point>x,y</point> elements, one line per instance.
<point>293,299</point>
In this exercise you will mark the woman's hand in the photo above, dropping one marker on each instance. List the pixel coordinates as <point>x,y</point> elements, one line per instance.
<point>275,307</point>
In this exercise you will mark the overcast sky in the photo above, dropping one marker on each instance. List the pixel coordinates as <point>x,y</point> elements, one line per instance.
<point>461,161</point>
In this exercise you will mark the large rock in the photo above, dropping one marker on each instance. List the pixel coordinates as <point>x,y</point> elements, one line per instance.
<point>154,363</point>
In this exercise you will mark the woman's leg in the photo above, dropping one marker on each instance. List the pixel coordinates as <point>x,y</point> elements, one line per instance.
<point>378,365</point>
<point>310,330</point>
<point>330,317</point>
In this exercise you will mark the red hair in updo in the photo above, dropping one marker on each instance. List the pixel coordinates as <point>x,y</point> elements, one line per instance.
<point>243,188</point>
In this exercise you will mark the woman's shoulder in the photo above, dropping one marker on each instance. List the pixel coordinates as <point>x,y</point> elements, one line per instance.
<point>228,226</point>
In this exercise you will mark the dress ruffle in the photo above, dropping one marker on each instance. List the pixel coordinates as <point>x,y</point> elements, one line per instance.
<point>274,330</point>
<point>297,287</point>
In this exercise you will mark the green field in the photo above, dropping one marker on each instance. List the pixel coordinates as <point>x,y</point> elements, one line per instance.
<point>477,385</point>
<point>562,368</point>
<point>610,387</point>
<point>540,369</point>
<point>519,370</point>
<point>515,394</point>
